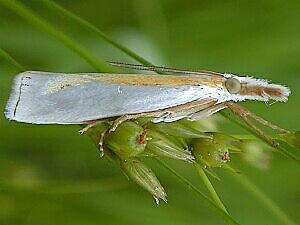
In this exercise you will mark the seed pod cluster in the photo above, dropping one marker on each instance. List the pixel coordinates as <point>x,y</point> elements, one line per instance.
<point>181,140</point>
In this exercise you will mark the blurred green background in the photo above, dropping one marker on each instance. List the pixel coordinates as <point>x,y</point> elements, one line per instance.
<point>52,175</point>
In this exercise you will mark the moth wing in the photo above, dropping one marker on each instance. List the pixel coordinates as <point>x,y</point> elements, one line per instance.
<point>54,98</point>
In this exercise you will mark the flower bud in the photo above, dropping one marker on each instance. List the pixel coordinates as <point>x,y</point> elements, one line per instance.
<point>128,140</point>
<point>144,176</point>
<point>209,153</point>
<point>162,145</point>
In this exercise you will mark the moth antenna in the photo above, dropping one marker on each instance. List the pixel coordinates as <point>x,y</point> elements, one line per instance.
<point>163,69</point>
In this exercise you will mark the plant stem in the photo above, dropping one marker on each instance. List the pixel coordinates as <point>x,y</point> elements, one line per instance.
<point>87,25</point>
<point>11,60</point>
<point>199,194</point>
<point>263,198</point>
<point>210,188</point>
<point>42,24</point>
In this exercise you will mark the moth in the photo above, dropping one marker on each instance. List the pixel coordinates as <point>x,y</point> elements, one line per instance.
<point>88,98</point>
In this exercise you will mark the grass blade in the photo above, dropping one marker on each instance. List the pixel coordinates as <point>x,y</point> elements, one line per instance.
<point>210,188</point>
<point>87,25</point>
<point>42,24</point>
<point>11,60</point>
<point>263,198</point>
<point>199,194</point>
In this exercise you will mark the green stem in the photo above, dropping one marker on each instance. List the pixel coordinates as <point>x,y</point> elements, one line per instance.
<point>40,23</point>
<point>11,60</point>
<point>263,198</point>
<point>199,194</point>
<point>210,188</point>
<point>87,25</point>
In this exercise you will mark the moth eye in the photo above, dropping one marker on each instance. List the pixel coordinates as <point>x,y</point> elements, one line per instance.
<point>233,85</point>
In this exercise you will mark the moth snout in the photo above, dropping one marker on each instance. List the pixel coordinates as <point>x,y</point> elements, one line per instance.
<point>249,88</point>
<point>264,91</point>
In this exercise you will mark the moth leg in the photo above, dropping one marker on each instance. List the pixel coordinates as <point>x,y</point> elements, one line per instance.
<point>101,143</point>
<point>120,120</point>
<point>90,125</point>
<point>207,111</point>
<point>184,111</point>
<point>257,118</point>
<point>243,114</point>
<point>102,135</point>
<point>124,118</point>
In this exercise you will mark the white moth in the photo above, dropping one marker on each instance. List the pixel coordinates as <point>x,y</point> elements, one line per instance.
<point>60,98</point>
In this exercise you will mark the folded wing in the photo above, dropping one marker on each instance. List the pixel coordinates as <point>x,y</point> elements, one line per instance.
<point>54,98</point>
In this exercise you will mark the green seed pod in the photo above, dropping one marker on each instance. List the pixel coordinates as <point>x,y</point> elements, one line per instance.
<point>209,153</point>
<point>144,176</point>
<point>128,140</point>
<point>162,145</point>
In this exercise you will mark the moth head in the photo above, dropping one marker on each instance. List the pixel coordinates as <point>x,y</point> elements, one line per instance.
<point>242,88</point>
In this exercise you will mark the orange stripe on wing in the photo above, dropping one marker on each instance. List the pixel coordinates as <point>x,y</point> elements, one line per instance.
<point>164,80</point>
